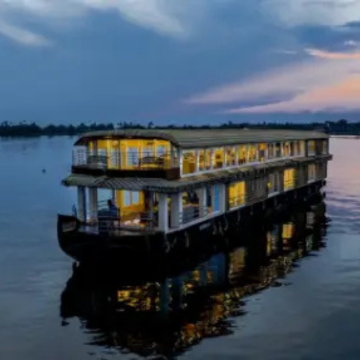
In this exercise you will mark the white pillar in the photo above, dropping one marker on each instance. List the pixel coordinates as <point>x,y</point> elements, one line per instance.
<point>163,212</point>
<point>82,203</point>
<point>212,157</point>
<point>180,157</point>
<point>237,149</point>
<point>222,197</point>
<point>266,151</point>
<point>203,201</point>
<point>197,161</point>
<point>93,201</point>
<point>176,210</point>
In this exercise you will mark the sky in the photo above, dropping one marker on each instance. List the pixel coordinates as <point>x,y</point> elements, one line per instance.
<point>172,61</point>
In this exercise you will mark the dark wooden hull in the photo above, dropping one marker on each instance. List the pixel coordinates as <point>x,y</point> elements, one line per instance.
<point>217,232</point>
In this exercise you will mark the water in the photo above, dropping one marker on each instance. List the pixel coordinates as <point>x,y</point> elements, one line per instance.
<point>308,308</point>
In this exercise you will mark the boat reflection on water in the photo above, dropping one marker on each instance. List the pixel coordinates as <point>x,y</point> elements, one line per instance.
<point>148,312</point>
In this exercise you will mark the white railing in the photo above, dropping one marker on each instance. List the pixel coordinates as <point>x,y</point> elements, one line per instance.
<point>115,159</point>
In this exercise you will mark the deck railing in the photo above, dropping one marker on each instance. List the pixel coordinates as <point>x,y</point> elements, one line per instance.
<point>137,221</point>
<point>123,160</point>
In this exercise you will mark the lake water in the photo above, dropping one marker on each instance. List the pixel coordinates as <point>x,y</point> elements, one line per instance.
<point>312,311</point>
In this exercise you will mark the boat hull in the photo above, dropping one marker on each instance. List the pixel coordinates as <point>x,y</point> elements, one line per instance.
<point>102,249</point>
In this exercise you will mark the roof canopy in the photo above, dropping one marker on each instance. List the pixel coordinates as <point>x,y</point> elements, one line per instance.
<point>202,138</point>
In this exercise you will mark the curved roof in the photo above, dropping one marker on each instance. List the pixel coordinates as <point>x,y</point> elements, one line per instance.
<point>200,138</point>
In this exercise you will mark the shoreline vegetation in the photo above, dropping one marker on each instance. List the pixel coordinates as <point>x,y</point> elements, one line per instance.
<point>23,129</point>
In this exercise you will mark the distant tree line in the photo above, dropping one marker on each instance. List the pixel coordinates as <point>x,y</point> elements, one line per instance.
<point>23,129</point>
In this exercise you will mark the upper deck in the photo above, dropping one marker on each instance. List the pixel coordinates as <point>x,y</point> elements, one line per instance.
<point>173,154</point>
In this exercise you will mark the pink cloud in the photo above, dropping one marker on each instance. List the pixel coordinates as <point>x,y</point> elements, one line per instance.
<point>318,84</point>
<point>332,55</point>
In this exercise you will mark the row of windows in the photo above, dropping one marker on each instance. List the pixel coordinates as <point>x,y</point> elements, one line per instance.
<point>238,155</point>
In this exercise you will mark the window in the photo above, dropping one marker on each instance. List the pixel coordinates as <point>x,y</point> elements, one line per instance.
<point>262,152</point>
<point>135,197</point>
<point>312,172</point>
<point>127,198</point>
<point>286,149</point>
<point>278,150</point>
<point>236,194</point>
<point>230,156</point>
<point>201,160</point>
<point>208,159</point>
<point>242,154</point>
<point>289,179</point>
<point>219,158</point>
<point>133,156</point>
<point>274,183</point>
<point>311,147</point>
<point>271,151</point>
<point>160,150</point>
<point>189,162</point>
<point>148,151</point>
<point>324,149</point>
<point>252,153</point>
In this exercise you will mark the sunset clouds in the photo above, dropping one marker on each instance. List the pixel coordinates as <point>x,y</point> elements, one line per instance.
<point>108,60</point>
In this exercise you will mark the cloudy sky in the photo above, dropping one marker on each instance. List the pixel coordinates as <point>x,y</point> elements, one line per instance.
<point>194,61</point>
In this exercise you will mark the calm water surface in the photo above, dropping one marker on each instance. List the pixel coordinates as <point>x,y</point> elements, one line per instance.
<point>45,314</point>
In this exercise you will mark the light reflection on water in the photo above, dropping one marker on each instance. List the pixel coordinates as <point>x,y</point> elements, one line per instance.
<point>315,314</point>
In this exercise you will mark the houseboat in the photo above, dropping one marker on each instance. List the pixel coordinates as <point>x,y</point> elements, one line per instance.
<point>154,192</point>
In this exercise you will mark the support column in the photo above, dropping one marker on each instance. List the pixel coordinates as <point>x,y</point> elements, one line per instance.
<point>203,202</point>
<point>212,157</point>
<point>223,198</point>
<point>197,161</point>
<point>82,203</point>
<point>176,210</point>
<point>163,213</point>
<point>93,201</point>
<point>237,149</point>
<point>180,157</point>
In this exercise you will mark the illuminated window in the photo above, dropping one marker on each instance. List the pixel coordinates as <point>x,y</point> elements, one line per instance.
<point>148,151</point>
<point>324,147</point>
<point>189,162</point>
<point>242,154</point>
<point>219,158</point>
<point>262,152</point>
<point>202,160</point>
<point>289,179</point>
<point>311,147</point>
<point>286,149</point>
<point>208,159</point>
<point>252,153</point>
<point>230,156</point>
<point>236,192</point>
